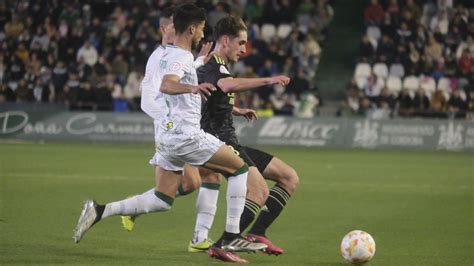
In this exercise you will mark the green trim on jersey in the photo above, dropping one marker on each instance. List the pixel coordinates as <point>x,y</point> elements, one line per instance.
<point>219,59</point>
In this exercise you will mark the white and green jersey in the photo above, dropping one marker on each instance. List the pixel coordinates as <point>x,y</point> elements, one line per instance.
<point>182,111</point>
<point>151,97</point>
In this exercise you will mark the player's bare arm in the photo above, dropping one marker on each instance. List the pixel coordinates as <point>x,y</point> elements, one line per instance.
<point>171,85</point>
<point>248,114</point>
<point>243,84</point>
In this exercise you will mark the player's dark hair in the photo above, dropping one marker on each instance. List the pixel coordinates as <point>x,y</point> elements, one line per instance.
<point>187,15</point>
<point>168,11</point>
<point>230,26</point>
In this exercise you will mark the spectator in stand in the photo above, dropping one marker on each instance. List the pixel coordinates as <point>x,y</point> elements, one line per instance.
<point>282,102</point>
<point>14,28</point>
<point>438,104</point>
<point>309,58</point>
<point>7,94</point>
<point>365,107</point>
<point>412,63</point>
<point>132,89</point>
<point>404,34</point>
<point>468,44</point>
<point>440,22</point>
<point>434,50</point>
<point>22,53</point>
<point>457,105</point>
<point>221,10</point>
<point>88,53</point>
<point>414,9</point>
<point>404,104</point>
<point>120,69</point>
<point>420,38</point>
<point>470,104</point>
<point>40,38</point>
<point>367,50</point>
<point>299,84</point>
<point>466,63</point>
<point>393,9</point>
<point>386,98</point>
<point>254,10</point>
<point>386,49</point>
<point>374,13</point>
<point>59,77</point>
<point>421,103</point>
<point>22,92</point>
<point>450,66</point>
<point>86,97</point>
<point>372,88</point>
<point>308,104</point>
<point>103,96</point>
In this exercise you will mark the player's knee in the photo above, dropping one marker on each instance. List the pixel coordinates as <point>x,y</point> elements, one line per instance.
<point>193,184</point>
<point>289,179</point>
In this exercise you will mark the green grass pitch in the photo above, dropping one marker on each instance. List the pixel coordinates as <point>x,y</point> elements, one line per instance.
<point>417,205</point>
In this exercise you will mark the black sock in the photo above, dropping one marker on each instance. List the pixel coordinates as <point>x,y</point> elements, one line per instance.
<point>100,210</point>
<point>274,205</point>
<point>248,215</point>
<point>226,237</point>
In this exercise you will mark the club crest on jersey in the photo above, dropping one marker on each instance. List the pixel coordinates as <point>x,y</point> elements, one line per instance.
<point>163,64</point>
<point>175,66</point>
<point>224,70</point>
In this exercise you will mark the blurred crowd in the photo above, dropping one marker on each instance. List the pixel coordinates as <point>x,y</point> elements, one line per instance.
<point>91,55</point>
<point>416,59</point>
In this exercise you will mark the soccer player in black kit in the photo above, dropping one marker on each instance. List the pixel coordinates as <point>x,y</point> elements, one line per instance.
<point>230,35</point>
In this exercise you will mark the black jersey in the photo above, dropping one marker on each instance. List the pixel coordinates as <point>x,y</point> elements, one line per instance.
<point>217,110</point>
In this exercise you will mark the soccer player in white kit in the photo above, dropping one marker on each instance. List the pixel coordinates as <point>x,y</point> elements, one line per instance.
<point>153,104</point>
<point>181,141</point>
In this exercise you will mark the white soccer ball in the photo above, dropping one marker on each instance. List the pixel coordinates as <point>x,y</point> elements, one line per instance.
<point>358,247</point>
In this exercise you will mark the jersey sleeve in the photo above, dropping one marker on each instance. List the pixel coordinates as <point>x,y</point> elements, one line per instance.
<point>199,62</point>
<point>177,64</point>
<point>213,73</point>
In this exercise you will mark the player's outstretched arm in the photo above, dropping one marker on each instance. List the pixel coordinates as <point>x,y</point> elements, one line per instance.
<point>242,84</point>
<point>171,85</point>
<point>248,114</point>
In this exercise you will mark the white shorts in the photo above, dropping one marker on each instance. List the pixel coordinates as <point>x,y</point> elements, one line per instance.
<point>194,148</point>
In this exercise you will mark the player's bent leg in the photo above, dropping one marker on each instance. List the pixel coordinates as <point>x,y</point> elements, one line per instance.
<point>190,181</point>
<point>225,161</point>
<point>257,189</point>
<point>286,180</point>
<point>162,200</point>
<point>283,174</point>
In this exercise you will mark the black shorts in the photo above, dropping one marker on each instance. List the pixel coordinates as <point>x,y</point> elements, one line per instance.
<point>252,157</point>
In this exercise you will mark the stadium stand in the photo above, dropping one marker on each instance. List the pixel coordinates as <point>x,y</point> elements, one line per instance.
<point>429,46</point>
<point>90,55</point>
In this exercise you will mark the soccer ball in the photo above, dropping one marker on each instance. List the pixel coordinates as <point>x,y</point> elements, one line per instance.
<point>358,247</point>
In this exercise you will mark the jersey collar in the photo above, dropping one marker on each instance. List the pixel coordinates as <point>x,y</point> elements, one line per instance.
<point>219,59</point>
